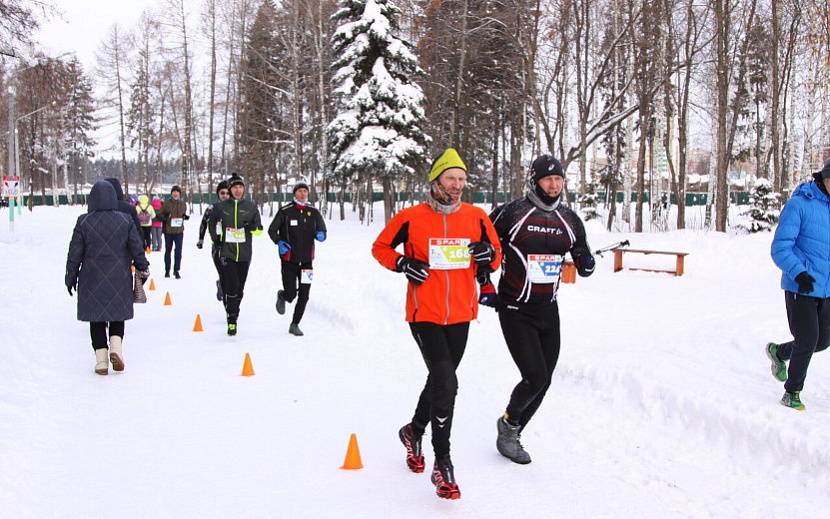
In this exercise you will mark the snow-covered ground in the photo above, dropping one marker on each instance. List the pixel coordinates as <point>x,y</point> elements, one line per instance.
<point>662,406</point>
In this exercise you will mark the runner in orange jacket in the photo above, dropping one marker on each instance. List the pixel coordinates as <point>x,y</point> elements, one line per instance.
<point>446,242</point>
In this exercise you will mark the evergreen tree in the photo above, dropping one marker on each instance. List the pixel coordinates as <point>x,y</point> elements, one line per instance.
<point>378,129</point>
<point>764,207</point>
<point>78,122</point>
<point>589,202</point>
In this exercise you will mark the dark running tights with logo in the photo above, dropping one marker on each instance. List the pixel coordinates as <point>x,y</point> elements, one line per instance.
<point>291,275</point>
<point>532,336</point>
<point>442,348</point>
<point>100,335</point>
<point>809,319</point>
<point>234,275</point>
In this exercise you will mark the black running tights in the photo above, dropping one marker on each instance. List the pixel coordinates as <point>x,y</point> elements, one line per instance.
<point>442,348</point>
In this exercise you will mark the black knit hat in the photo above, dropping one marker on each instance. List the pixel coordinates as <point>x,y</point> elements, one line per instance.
<point>235,180</point>
<point>545,165</point>
<point>299,185</point>
<point>176,188</point>
<point>825,171</point>
<point>222,185</point>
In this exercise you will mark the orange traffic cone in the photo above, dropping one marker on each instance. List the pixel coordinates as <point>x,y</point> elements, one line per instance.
<point>247,367</point>
<point>167,299</point>
<point>352,455</point>
<point>152,285</point>
<point>197,327</point>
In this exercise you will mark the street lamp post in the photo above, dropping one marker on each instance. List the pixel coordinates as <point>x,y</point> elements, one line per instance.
<point>13,169</point>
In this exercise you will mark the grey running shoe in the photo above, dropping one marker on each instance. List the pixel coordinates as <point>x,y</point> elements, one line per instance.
<point>508,443</point>
<point>280,303</point>
<point>295,330</point>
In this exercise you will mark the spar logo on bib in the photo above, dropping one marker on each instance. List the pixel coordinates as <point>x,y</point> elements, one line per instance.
<point>449,253</point>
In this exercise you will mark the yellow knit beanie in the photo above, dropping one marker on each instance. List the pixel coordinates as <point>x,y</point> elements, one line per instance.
<point>450,159</point>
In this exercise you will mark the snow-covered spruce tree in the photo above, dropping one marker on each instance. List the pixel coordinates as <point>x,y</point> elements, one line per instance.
<point>588,202</point>
<point>378,128</point>
<point>764,207</point>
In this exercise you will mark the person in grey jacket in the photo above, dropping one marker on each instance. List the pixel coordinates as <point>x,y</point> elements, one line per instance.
<point>104,245</point>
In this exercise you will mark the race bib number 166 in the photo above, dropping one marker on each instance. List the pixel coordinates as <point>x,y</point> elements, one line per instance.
<point>449,253</point>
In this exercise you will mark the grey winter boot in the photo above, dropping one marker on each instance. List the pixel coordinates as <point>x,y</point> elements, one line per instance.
<point>102,365</point>
<point>508,443</point>
<point>295,330</point>
<point>116,356</point>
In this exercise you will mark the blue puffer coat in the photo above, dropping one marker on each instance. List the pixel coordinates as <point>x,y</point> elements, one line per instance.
<point>802,239</point>
<point>105,243</point>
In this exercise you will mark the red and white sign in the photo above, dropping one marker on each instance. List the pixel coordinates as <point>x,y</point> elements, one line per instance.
<point>11,186</point>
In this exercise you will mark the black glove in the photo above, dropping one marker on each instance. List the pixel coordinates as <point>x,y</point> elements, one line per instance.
<point>415,271</point>
<point>805,282</point>
<point>200,244</point>
<point>482,252</point>
<point>69,289</point>
<point>186,217</point>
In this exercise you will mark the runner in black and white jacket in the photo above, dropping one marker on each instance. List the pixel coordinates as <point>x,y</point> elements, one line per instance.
<point>536,231</point>
<point>223,192</point>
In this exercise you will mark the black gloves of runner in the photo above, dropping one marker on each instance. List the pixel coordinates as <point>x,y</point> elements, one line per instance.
<point>200,244</point>
<point>805,282</point>
<point>482,252</point>
<point>415,271</point>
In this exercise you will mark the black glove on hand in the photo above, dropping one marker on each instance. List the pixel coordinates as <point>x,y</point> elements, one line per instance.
<point>200,244</point>
<point>482,252</point>
<point>186,217</point>
<point>805,282</point>
<point>415,271</point>
<point>69,289</point>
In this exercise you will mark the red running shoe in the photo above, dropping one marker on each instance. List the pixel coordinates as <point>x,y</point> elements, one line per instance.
<point>444,479</point>
<point>414,456</point>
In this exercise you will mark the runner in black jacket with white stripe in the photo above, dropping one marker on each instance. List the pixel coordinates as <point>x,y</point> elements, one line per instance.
<point>294,229</point>
<point>535,231</point>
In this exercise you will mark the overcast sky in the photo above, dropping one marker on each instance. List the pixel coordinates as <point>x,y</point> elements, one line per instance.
<point>85,24</point>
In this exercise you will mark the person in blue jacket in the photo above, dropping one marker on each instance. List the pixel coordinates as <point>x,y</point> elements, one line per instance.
<point>801,249</point>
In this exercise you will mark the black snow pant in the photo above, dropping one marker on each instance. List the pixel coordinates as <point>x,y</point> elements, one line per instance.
<point>234,275</point>
<point>148,231</point>
<point>442,347</point>
<point>293,288</point>
<point>809,319</point>
<point>532,336</point>
<point>169,241</point>
<point>99,335</point>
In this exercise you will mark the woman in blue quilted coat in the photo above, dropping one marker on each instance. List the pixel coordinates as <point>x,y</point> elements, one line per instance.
<point>104,245</point>
<point>801,249</point>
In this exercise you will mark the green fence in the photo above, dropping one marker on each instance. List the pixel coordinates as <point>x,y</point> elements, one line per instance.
<point>692,199</point>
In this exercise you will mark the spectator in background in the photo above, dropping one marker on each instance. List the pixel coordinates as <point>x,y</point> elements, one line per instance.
<point>123,205</point>
<point>104,245</point>
<point>174,214</point>
<point>146,213</point>
<point>155,230</point>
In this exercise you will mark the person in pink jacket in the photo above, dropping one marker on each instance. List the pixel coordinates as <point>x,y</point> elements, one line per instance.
<point>155,231</point>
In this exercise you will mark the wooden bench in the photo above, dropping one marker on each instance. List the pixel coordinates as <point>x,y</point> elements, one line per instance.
<point>678,270</point>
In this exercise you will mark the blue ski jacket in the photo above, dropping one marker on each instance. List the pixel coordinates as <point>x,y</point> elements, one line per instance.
<point>802,239</point>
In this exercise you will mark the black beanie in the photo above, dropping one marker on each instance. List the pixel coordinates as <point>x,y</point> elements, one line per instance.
<point>221,185</point>
<point>545,165</point>
<point>235,180</point>
<point>825,171</point>
<point>299,185</point>
<point>176,188</point>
